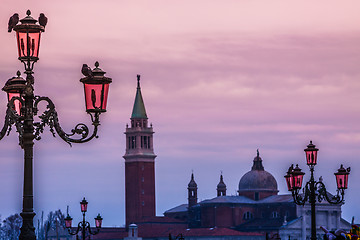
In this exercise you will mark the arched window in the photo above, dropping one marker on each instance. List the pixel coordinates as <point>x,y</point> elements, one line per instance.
<point>133,142</point>
<point>248,216</point>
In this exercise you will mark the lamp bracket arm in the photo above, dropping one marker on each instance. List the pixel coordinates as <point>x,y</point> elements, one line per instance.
<point>4,131</point>
<point>323,194</point>
<point>77,230</point>
<point>11,118</point>
<point>92,232</point>
<point>298,198</point>
<point>301,199</point>
<point>50,118</point>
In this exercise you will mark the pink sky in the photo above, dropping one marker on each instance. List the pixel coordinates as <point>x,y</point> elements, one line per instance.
<point>219,80</point>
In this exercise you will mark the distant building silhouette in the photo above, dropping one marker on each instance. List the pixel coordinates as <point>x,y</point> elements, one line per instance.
<point>257,208</point>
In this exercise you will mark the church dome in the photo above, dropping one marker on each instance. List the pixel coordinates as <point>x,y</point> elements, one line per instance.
<point>258,180</point>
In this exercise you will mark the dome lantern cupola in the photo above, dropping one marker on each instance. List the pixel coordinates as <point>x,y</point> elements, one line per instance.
<point>257,162</point>
<point>257,183</point>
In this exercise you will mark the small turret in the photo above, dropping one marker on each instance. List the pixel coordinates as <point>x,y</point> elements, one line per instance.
<point>221,187</point>
<point>192,192</point>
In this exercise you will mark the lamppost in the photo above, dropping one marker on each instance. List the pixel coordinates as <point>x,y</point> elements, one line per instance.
<point>83,225</point>
<point>23,107</point>
<point>315,191</point>
<point>179,236</point>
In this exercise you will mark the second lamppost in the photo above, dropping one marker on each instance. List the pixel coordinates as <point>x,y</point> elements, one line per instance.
<point>315,191</point>
<point>83,226</point>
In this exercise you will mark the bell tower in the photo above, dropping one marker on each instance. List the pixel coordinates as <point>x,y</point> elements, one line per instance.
<point>139,164</point>
<point>192,192</point>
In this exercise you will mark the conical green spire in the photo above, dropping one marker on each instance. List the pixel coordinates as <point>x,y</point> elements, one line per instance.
<point>139,107</point>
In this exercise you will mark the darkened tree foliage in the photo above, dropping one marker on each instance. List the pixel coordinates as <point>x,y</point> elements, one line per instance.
<point>55,221</point>
<point>10,227</point>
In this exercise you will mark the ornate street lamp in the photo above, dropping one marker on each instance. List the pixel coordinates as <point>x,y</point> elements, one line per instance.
<point>83,225</point>
<point>23,107</point>
<point>96,88</point>
<point>28,35</point>
<point>311,154</point>
<point>342,176</point>
<point>315,190</point>
<point>14,87</point>
<point>83,205</point>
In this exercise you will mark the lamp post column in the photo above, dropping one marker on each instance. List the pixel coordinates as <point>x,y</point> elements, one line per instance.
<point>312,204</point>
<point>83,229</point>
<point>27,230</point>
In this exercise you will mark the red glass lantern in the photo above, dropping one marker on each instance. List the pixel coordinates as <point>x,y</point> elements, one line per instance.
<point>83,204</point>
<point>342,176</point>
<point>311,154</point>
<point>14,88</point>
<point>96,88</point>
<point>28,35</point>
<point>98,221</point>
<point>288,178</point>
<point>68,221</point>
<point>297,177</point>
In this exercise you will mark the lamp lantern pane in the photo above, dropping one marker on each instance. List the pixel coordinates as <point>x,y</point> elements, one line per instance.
<point>68,221</point>
<point>28,34</point>
<point>28,43</point>
<point>311,154</point>
<point>98,221</point>
<point>17,103</point>
<point>83,205</point>
<point>96,88</point>
<point>288,178</point>
<point>14,88</point>
<point>342,176</point>
<point>297,177</point>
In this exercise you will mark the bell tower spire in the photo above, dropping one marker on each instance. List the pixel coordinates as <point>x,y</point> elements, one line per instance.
<point>138,111</point>
<point>221,187</point>
<point>139,164</point>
